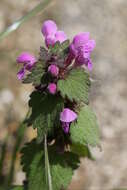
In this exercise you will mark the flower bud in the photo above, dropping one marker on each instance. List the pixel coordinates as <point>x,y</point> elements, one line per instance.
<point>60,36</point>
<point>54,70</point>
<point>49,28</point>
<point>52,88</point>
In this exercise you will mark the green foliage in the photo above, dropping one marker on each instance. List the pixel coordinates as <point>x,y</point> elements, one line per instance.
<point>65,45</point>
<point>61,166</point>
<point>55,49</point>
<point>44,55</point>
<point>2,188</point>
<point>45,112</point>
<point>49,160</point>
<point>75,86</point>
<point>17,188</point>
<point>35,75</point>
<point>59,48</point>
<point>85,131</point>
<point>81,150</point>
<point>28,152</point>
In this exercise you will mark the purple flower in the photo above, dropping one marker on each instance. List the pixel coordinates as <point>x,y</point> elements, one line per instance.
<point>54,70</point>
<point>60,36</point>
<point>49,28</point>
<point>21,74</point>
<point>89,46</point>
<point>28,62</point>
<point>52,39</point>
<point>52,88</point>
<point>81,49</point>
<point>66,117</point>
<point>51,34</point>
<point>81,39</point>
<point>26,58</point>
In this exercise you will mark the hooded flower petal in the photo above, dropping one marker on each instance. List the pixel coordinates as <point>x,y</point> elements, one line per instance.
<point>51,34</point>
<point>50,40</point>
<point>68,115</point>
<point>85,62</point>
<point>80,40</point>
<point>29,66</point>
<point>82,58</point>
<point>54,70</point>
<point>60,36</point>
<point>52,88</point>
<point>49,28</point>
<point>21,74</point>
<point>89,46</point>
<point>81,48</point>
<point>26,58</point>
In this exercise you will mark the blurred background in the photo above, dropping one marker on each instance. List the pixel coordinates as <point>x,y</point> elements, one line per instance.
<point>106,20</point>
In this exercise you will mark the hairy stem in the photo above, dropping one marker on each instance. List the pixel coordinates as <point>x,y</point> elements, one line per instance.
<point>47,166</point>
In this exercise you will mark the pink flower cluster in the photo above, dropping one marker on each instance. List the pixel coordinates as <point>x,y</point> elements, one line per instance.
<point>79,51</point>
<point>52,34</point>
<point>80,48</point>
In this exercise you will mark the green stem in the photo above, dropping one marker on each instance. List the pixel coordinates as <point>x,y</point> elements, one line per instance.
<point>23,19</point>
<point>47,166</point>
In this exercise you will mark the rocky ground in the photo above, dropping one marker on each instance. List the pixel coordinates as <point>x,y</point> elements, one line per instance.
<point>106,21</point>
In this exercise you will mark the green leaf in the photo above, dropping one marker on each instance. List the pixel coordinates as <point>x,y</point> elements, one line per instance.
<point>75,86</point>
<point>45,113</point>
<point>35,75</point>
<point>63,51</point>
<point>59,48</point>
<point>65,45</point>
<point>55,48</point>
<point>85,131</point>
<point>61,166</point>
<point>44,55</point>
<point>17,188</point>
<point>81,150</point>
<point>29,151</point>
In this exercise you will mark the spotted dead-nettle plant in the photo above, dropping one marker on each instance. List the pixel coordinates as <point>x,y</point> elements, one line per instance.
<point>59,109</point>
